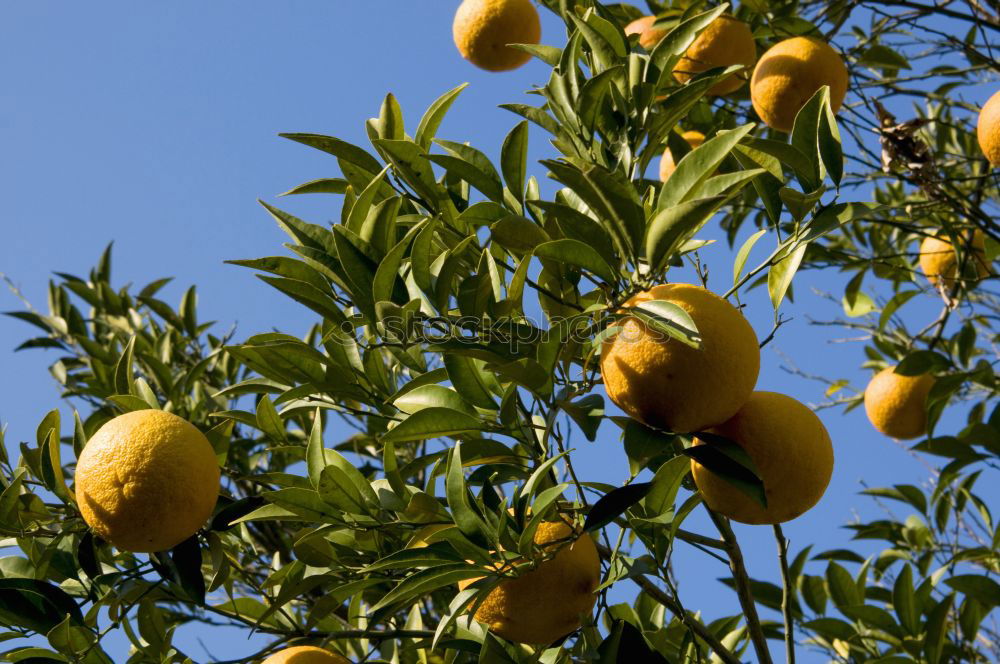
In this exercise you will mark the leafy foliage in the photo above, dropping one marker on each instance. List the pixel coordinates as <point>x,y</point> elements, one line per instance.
<point>459,316</point>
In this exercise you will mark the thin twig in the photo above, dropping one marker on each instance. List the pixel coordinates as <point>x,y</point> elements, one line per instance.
<point>786,594</point>
<point>743,591</point>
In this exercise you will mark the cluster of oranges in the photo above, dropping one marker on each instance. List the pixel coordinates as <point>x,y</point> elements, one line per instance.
<point>148,480</point>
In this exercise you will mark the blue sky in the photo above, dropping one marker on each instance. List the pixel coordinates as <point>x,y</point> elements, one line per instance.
<point>154,125</point>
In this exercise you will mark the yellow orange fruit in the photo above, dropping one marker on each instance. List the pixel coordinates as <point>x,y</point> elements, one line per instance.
<point>789,74</point>
<point>988,129</point>
<point>546,603</point>
<point>649,36</point>
<point>483,29</point>
<point>897,405</point>
<point>694,138</point>
<point>305,655</point>
<point>147,480</point>
<point>724,42</point>
<point>667,384</point>
<point>939,262</point>
<point>791,451</point>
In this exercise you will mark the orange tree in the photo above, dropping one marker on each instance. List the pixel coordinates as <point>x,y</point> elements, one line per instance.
<point>466,315</point>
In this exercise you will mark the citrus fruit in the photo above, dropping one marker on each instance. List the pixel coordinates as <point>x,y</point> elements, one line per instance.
<point>547,602</point>
<point>988,129</point>
<point>147,480</point>
<point>305,655</point>
<point>667,384</point>
<point>667,164</point>
<point>649,36</point>
<point>484,28</point>
<point>791,451</point>
<point>725,41</point>
<point>897,405</point>
<point>940,264</point>
<point>789,74</point>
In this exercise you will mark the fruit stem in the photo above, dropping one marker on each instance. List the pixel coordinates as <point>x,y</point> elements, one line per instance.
<point>786,594</point>
<point>742,581</point>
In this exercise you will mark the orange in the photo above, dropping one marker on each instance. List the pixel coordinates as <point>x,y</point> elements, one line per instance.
<point>147,481</point>
<point>305,655</point>
<point>546,603</point>
<point>988,129</point>
<point>484,28</point>
<point>897,405</point>
<point>666,384</point>
<point>940,264</point>
<point>667,164</point>
<point>649,36</point>
<point>791,450</point>
<point>789,74</point>
<point>725,41</point>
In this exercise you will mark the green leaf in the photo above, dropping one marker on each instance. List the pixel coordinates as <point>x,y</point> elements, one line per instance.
<point>883,57</point>
<point>425,581</point>
<point>433,422</point>
<point>830,148</point>
<point>432,396</point>
<point>466,517</point>
<point>71,640</point>
<point>514,159</point>
<point>576,253</point>
<point>315,456</point>
<point>806,130</point>
<point>338,148</point>
<point>937,629</point>
<point>320,186</point>
<point>37,605</point>
<point>673,225</point>
<point>614,503</point>
<point>800,162</point>
<point>666,482</point>
<point>487,180</point>
<point>390,119</point>
<point>186,558</point>
<point>730,462</point>
<point>625,643</point>
<point>517,234</point>
<point>843,590</point>
<point>432,118</point>
<point>124,379</point>
<point>269,421</point>
<point>780,276</point>
<point>744,253</point>
<point>982,588</point>
<point>905,602</point>
<point>697,166</point>
<point>669,319</point>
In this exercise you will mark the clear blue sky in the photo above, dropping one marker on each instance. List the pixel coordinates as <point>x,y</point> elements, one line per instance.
<point>154,125</point>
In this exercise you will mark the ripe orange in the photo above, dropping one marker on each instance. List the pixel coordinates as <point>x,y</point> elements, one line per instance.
<point>791,450</point>
<point>546,603</point>
<point>666,384</point>
<point>726,41</point>
<point>305,655</point>
<point>649,36</point>
<point>940,264</point>
<point>988,129</point>
<point>789,74</point>
<point>667,164</point>
<point>897,405</point>
<point>147,480</point>
<point>483,29</point>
